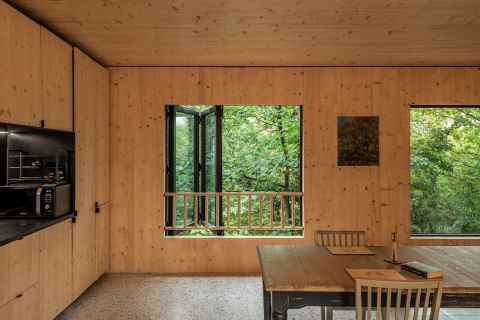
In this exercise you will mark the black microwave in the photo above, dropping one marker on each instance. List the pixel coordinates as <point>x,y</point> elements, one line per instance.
<point>34,200</point>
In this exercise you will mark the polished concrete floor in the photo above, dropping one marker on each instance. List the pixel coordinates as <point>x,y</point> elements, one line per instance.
<point>119,297</point>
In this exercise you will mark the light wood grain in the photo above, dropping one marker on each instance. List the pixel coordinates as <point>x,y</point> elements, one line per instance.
<point>19,68</point>
<point>56,274</point>
<point>426,291</point>
<point>19,266</point>
<point>102,170</point>
<point>24,307</point>
<point>268,33</point>
<point>84,230</point>
<point>57,82</point>
<point>309,268</point>
<point>375,199</point>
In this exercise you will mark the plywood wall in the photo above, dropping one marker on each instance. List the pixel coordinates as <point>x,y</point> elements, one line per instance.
<point>371,198</point>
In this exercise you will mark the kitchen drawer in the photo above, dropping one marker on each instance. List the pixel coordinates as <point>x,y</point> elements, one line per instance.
<point>19,269</point>
<point>25,306</point>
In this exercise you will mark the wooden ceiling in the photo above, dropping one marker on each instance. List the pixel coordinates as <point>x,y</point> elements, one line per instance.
<point>268,32</point>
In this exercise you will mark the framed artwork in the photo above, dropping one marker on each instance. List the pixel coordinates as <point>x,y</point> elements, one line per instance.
<point>358,141</point>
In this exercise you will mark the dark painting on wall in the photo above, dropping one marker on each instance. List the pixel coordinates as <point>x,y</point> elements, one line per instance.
<point>358,143</point>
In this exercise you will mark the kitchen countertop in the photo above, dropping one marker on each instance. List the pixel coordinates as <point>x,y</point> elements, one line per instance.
<point>17,228</point>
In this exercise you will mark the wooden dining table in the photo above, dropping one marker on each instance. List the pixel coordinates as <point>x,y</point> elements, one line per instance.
<point>295,276</point>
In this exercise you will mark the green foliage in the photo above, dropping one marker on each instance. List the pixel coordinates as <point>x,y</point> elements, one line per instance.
<point>445,170</point>
<point>261,152</point>
<point>261,148</point>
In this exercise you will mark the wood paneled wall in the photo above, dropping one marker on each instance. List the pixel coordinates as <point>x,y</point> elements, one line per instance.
<point>371,198</point>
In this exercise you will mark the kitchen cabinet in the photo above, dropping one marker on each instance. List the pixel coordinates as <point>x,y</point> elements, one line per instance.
<point>19,267</point>
<point>57,82</point>
<point>19,68</point>
<point>55,279</point>
<point>84,238</point>
<point>36,74</point>
<point>25,306</point>
<point>90,232</point>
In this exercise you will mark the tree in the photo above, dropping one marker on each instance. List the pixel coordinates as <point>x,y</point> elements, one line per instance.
<point>445,170</point>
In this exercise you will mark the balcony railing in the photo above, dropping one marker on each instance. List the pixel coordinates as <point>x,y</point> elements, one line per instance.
<point>235,211</point>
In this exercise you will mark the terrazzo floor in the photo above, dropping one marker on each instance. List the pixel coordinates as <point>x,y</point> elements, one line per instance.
<point>121,296</point>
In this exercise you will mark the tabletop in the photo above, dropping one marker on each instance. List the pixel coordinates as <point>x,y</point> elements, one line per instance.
<point>314,269</point>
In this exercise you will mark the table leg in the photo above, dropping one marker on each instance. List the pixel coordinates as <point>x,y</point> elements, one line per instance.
<point>267,305</point>
<point>279,305</point>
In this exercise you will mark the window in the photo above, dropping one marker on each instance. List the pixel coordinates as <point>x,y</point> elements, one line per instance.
<point>234,170</point>
<point>445,170</point>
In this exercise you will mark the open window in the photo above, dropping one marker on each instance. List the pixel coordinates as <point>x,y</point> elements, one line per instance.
<point>234,170</point>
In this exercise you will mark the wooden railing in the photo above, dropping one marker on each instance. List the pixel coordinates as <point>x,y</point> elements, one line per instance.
<point>230,211</point>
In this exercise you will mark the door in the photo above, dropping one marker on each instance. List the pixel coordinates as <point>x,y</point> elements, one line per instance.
<point>84,230</point>
<point>102,173</point>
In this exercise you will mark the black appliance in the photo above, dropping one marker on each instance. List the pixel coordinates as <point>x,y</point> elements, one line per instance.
<point>37,170</point>
<point>34,200</point>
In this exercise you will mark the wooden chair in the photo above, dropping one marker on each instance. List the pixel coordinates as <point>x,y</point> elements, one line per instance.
<point>401,294</point>
<point>341,238</point>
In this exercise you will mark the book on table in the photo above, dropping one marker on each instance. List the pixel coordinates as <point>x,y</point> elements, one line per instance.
<point>423,270</point>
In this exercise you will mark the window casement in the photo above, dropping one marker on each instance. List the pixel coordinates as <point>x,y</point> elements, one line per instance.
<point>256,197</point>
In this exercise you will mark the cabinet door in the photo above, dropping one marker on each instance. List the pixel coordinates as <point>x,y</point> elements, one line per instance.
<point>25,306</point>
<point>84,249</point>
<point>102,172</point>
<point>57,82</point>
<point>19,68</point>
<point>55,269</point>
<point>18,267</point>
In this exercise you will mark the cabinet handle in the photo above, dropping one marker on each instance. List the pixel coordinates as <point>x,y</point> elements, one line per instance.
<point>42,123</point>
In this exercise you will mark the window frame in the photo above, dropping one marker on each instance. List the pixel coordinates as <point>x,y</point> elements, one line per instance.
<point>435,235</point>
<point>200,155</point>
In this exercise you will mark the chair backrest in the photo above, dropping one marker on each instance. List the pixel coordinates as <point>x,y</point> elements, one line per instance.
<point>406,297</point>
<point>341,238</point>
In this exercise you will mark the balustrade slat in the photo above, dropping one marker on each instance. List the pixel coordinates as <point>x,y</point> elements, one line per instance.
<point>217,210</point>
<point>229,212</point>
<point>195,211</point>
<point>239,210</point>
<point>292,204</point>
<point>260,210</point>
<point>185,210</point>
<point>249,211</point>
<point>174,211</point>
<point>206,211</point>
<point>271,209</point>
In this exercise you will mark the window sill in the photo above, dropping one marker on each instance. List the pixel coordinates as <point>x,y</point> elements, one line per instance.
<point>235,237</point>
<point>444,237</point>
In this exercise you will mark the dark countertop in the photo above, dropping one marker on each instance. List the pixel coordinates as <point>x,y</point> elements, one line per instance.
<point>17,228</point>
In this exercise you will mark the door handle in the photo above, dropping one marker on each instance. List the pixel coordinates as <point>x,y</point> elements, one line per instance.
<point>98,206</point>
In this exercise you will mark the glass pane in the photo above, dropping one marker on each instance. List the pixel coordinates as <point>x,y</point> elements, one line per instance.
<point>184,163</point>
<point>210,162</point>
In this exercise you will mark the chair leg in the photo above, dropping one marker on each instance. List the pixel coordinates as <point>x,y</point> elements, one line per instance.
<point>329,313</point>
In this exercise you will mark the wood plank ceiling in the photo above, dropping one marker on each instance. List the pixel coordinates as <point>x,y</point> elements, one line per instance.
<point>268,32</point>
